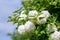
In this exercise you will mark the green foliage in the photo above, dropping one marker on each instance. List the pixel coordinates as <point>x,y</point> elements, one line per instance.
<point>41,33</point>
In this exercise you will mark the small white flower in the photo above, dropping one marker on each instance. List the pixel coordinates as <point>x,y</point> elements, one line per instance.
<point>55,35</point>
<point>29,26</point>
<point>21,29</point>
<point>22,16</point>
<point>45,13</point>
<point>33,13</point>
<point>41,19</point>
<point>52,27</point>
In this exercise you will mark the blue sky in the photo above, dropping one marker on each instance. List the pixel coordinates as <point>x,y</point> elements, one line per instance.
<point>7,7</point>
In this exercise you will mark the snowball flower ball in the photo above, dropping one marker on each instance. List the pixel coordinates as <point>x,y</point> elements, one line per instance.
<point>33,13</point>
<point>29,26</point>
<point>22,16</point>
<point>45,13</point>
<point>52,27</point>
<point>41,19</point>
<point>55,35</point>
<point>21,29</point>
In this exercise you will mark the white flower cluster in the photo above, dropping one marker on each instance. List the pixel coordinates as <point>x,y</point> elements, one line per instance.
<point>29,26</point>
<point>55,35</point>
<point>22,16</point>
<point>52,28</point>
<point>21,29</point>
<point>43,17</point>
